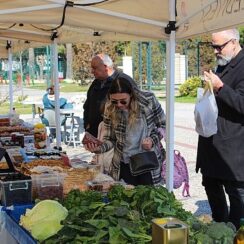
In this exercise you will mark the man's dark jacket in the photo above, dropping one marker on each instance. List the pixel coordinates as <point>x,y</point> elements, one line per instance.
<point>221,156</point>
<point>96,96</point>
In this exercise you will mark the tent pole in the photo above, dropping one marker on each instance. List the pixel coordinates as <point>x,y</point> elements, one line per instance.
<point>56,92</point>
<point>140,62</point>
<point>170,44</point>
<point>10,76</point>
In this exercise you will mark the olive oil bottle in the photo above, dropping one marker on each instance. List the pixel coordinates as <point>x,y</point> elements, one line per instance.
<point>239,237</point>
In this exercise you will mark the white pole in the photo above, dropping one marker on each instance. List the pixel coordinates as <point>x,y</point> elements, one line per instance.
<point>170,102</point>
<point>10,77</point>
<point>56,92</point>
<point>21,74</point>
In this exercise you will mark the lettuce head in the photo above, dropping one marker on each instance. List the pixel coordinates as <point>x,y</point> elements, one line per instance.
<point>43,220</point>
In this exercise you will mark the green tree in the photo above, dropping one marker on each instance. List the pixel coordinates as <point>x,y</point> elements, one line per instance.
<point>241,30</point>
<point>206,57</point>
<point>83,54</point>
<point>158,58</point>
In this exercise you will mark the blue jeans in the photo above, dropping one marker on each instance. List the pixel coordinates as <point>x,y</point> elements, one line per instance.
<point>215,190</point>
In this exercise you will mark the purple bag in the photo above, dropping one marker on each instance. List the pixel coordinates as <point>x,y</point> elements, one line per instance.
<point>180,173</point>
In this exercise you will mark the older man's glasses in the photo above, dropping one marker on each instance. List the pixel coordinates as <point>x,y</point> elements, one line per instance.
<point>219,48</point>
<point>116,102</point>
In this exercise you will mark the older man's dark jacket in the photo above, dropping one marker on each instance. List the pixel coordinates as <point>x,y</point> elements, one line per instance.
<point>96,96</point>
<point>221,156</point>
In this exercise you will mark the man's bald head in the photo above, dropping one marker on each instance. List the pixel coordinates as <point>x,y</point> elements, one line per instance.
<point>102,66</point>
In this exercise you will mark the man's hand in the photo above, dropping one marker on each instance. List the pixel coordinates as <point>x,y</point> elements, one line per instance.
<point>215,80</point>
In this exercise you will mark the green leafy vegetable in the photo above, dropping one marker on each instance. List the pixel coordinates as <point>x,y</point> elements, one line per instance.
<point>43,220</point>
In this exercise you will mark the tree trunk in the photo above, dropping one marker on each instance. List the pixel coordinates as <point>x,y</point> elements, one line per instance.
<point>69,57</point>
<point>31,63</point>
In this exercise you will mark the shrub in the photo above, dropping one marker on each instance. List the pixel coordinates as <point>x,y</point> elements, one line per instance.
<point>189,87</point>
<point>21,98</point>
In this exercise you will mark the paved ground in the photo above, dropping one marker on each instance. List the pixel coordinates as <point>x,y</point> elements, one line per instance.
<point>185,141</point>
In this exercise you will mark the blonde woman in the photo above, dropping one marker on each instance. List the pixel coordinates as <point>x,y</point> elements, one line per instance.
<point>131,121</point>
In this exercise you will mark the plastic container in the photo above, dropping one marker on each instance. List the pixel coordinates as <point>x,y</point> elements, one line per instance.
<point>15,192</point>
<point>49,186</point>
<point>40,136</point>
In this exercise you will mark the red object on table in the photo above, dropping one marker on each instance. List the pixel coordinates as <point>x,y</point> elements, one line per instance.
<point>65,159</point>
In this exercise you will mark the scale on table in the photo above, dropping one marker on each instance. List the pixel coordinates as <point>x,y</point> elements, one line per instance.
<point>4,154</point>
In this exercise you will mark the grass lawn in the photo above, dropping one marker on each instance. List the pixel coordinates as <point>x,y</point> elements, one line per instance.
<point>64,87</point>
<point>179,99</point>
<point>71,87</point>
<point>187,99</point>
<point>19,107</point>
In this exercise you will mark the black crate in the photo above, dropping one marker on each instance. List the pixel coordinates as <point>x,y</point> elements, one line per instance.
<point>15,188</point>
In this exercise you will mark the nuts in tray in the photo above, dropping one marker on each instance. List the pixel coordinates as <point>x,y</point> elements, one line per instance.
<point>50,192</point>
<point>49,186</point>
<point>26,168</point>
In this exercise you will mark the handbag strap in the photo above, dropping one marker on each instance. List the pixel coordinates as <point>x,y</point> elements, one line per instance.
<point>185,191</point>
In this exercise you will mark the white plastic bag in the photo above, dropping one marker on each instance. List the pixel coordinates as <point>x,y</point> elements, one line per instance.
<point>206,113</point>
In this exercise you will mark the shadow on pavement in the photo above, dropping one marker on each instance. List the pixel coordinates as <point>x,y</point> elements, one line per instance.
<point>203,207</point>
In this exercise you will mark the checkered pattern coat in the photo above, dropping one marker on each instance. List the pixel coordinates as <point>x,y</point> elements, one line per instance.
<point>115,137</point>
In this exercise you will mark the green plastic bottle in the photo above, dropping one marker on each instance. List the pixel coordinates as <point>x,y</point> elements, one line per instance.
<point>239,237</point>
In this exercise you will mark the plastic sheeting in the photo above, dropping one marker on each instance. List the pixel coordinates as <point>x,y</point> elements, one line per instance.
<point>11,232</point>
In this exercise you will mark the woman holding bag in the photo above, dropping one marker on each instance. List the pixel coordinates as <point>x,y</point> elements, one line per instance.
<point>131,121</point>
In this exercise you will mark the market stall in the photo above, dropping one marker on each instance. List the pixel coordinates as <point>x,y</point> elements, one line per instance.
<point>37,180</point>
<point>29,170</point>
<point>78,204</point>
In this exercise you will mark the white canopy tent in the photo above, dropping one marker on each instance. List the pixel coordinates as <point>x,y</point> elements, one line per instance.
<point>3,52</point>
<point>139,18</point>
<point>154,20</point>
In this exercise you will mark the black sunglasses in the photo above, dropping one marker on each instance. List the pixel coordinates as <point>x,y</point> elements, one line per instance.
<point>219,48</point>
<point>115,102</point>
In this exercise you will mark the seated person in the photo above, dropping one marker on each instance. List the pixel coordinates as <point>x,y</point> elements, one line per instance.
<point>48,100</point>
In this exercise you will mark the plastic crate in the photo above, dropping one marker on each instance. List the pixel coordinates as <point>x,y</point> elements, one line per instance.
<point>49,186</point>
<point>16,192</point>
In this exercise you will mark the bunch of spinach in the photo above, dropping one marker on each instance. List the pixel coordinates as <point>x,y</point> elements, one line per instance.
<point>125,218</point>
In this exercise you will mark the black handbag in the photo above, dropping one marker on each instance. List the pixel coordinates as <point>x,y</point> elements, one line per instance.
<point>143,162</point>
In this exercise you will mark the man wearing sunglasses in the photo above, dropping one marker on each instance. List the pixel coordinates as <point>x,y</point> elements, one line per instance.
<point>221,156</point>
<point>102,68</point>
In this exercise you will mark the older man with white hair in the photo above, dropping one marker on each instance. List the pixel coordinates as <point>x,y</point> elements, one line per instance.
<point>221,156</point>
<point>103,69</point>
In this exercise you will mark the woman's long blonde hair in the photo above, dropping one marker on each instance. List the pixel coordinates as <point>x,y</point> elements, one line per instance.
<point>122,85</point>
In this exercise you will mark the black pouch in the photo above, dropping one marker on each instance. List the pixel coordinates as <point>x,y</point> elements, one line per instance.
<point>143,162</point>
